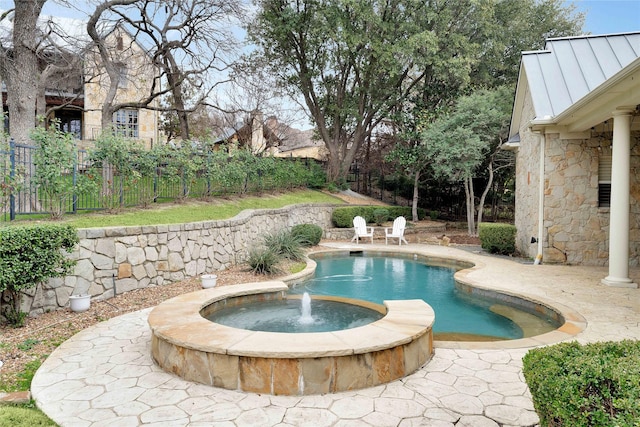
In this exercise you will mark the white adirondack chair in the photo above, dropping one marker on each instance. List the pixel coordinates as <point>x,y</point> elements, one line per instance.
<point>361,230</point>
<point>397,231</point>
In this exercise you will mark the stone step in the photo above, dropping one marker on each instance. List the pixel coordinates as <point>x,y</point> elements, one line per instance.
<point>16,397</point>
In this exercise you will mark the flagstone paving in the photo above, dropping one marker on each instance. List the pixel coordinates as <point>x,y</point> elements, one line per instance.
<point>104,376</point>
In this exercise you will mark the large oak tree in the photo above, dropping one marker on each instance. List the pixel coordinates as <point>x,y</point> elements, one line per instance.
<point>352,61</point>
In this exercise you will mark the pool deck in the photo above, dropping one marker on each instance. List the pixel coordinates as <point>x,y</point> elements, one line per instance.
<point>104,375</point>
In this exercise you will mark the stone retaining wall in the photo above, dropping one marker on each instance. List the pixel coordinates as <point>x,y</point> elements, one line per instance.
<point>119,259</point>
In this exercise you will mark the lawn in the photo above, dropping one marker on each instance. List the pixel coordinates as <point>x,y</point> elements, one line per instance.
<point>191,211</point>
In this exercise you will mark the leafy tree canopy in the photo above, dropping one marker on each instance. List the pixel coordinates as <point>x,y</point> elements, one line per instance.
<point>358,62</point>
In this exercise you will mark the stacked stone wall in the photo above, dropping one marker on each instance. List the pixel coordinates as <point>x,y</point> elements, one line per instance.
<point>575,229</point>
<point>120,259</point>
<point>527,184</point>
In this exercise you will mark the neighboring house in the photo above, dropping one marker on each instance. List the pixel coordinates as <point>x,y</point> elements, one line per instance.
<point>75,84</point>
<point>302,144</point>
<point>137,75</point>
<point>576,132</point>
<point>253,134</point>
<point>273,138</point>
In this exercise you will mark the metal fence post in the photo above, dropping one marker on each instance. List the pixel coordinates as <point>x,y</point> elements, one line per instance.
<point>12,175</point>
<point>74,203</point>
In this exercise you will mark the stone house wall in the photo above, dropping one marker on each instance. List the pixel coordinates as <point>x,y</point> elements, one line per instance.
<point>121,259</point>
<point>138,77</point>
<point>576,229</point>
<point>527,185</point>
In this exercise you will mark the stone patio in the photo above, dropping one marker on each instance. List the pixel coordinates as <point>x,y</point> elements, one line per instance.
<point>104,376</point>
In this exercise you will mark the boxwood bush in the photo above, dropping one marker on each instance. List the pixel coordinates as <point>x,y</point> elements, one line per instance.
<point>592,385</point>
<point>30,255</point>
<point>342,217</point>
<point>497,238</point>
<point>307,234</point>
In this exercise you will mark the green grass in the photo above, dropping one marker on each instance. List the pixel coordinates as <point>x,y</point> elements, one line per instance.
<point>171,213</point>
<point>23,416</point>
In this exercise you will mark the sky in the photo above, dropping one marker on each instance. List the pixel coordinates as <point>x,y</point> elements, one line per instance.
<point>609,16</point>
<point>602,17</point>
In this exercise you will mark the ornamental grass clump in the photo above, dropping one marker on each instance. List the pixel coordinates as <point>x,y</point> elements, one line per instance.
<point>595,385</point>
<point>264,261</point>
<point>285,244</point>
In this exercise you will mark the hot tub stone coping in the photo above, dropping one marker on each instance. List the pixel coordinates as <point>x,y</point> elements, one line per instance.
<point>178,321</point>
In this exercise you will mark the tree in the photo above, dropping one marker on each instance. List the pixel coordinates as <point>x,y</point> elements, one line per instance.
<point>458,143</point>
<point>189,39</point>
<point>483,51</point>
<point>19,67</point>
<point>351,62</point>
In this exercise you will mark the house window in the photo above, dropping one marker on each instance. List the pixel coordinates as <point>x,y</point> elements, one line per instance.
<point>604,179</point>
<point>72,126</point>
<point>123,76</point>
<point>125,123</point>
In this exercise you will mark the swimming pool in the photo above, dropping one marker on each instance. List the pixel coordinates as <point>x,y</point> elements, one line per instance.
<point>459,316</point>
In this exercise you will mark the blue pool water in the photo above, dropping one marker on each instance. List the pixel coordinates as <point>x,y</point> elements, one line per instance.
<point>376,279</point>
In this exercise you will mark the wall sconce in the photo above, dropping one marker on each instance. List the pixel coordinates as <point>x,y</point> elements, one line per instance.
<point>534,240</point>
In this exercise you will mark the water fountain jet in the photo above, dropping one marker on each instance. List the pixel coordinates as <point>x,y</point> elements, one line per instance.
<point>306,318</point>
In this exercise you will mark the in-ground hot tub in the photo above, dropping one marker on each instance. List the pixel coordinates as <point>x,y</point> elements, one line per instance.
<point>196,349</point>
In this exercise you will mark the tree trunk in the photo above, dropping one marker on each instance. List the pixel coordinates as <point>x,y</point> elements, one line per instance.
<point>22,74</point>
<point>468,191</point>
<point>174,79</point>
<point>485,192</point>
<point>414,203</point>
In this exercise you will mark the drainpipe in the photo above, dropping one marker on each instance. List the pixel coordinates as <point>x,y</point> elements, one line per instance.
<point>538,260</point>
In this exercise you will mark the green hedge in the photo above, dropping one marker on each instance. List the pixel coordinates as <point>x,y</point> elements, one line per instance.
<point>592,385</point>
<point>342,217</point>
<point>307,234</point>
<point>497,238</point>
<point>30,255</point>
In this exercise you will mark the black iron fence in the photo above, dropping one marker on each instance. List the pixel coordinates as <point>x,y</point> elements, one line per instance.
<point>220,175</point>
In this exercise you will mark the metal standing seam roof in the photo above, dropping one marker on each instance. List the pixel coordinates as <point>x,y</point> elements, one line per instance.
<point>570,68</point>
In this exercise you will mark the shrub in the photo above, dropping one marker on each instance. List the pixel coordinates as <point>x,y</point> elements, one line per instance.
<point>497,238</point>
<point>307,234</point>
<point>433,215</point>
<point>405,211</point>
<point>54,162</point>
<point>263,261</point>
<point>30,255</point>
<point>342,217</point>
<point>592,385</point>
<point>380,215</point>
<point>285,244</point>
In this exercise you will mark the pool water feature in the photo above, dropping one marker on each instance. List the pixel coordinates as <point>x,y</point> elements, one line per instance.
<point>185,343</point>
<point>459,316</point>
<point>298,315</point>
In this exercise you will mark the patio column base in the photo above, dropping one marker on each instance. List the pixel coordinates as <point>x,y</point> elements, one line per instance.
<point>618,282</point>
